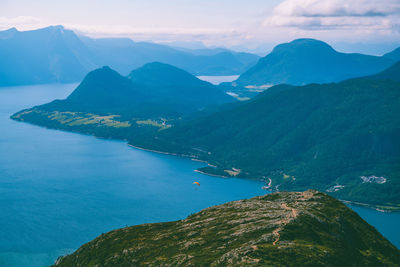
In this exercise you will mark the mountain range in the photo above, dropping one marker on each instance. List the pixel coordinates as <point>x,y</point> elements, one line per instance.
<point>145,90</point>
<point>123,55</point>
<point>281,229</point>
<point>47,55</point>
<point>55,54</point>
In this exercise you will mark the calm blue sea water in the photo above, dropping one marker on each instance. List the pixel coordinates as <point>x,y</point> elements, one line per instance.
<point>59,190</point>
<point>218,79</point>
<point>387,223</point>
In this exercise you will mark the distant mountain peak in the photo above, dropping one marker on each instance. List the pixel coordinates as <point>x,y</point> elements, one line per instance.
<point>106,68</point>
<point>308,41</point>
<point>8,33</point>
<point>57,30</point>
<point>103,72</point>
<point>304,43</point>
<point>159,65</point>
<point>55,27</point>
<point>13,29</point>
<point>162,74</point>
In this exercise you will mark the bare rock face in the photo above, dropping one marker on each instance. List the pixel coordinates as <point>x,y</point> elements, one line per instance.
<point>281,229</point>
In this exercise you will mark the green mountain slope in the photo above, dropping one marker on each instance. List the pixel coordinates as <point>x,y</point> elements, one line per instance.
<point>305,61</point>
<point>281,229</point>
<point>168,83</point>
<point>104,90</point>
<point>325,136</point>
<point>110,105</point>
<point>392,73</point>
<point>394,55</point>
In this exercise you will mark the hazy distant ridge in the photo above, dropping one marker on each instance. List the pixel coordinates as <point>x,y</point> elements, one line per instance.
<point>55,54</point>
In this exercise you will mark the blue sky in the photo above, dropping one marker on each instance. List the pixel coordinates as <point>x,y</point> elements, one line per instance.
<point>245,25</point>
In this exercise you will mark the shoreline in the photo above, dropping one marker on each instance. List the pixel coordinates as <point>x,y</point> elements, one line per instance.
<point>383,209</point>
<point>166,153</point>
<point>206,162</point>
<point>214,175</point>
<point>179,155</point>
<point>159,152</point>
<point>380,208</point>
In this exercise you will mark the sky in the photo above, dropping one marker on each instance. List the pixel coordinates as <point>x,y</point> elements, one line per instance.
<point>370,26</point>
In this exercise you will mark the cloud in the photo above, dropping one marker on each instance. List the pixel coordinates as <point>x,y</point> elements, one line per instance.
<point>330,20</point>
<point>125,29</point>
<point>158,34</point>
<point>26,22</point>
<point>337,8</point>
<point>376,15</point>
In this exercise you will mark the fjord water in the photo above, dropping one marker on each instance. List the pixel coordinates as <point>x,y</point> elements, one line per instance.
<point>218,79</point>
<point>59,190</point>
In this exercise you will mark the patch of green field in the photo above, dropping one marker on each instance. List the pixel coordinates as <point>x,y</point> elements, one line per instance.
<point>162,125</point>
<point>81,118</point>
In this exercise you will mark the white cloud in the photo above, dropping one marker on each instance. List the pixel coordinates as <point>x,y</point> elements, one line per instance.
<point>362,21</point>
<point>129,30</point>
<point>337,8</point>
<point>372,15</point>
<point>157,34</point>
<point>25,22</point>
<point>210,36</point>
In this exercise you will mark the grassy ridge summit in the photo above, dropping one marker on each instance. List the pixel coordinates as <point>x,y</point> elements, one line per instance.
<point>304,61</point>
<point>281,229</point>
<point>342,138</point>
